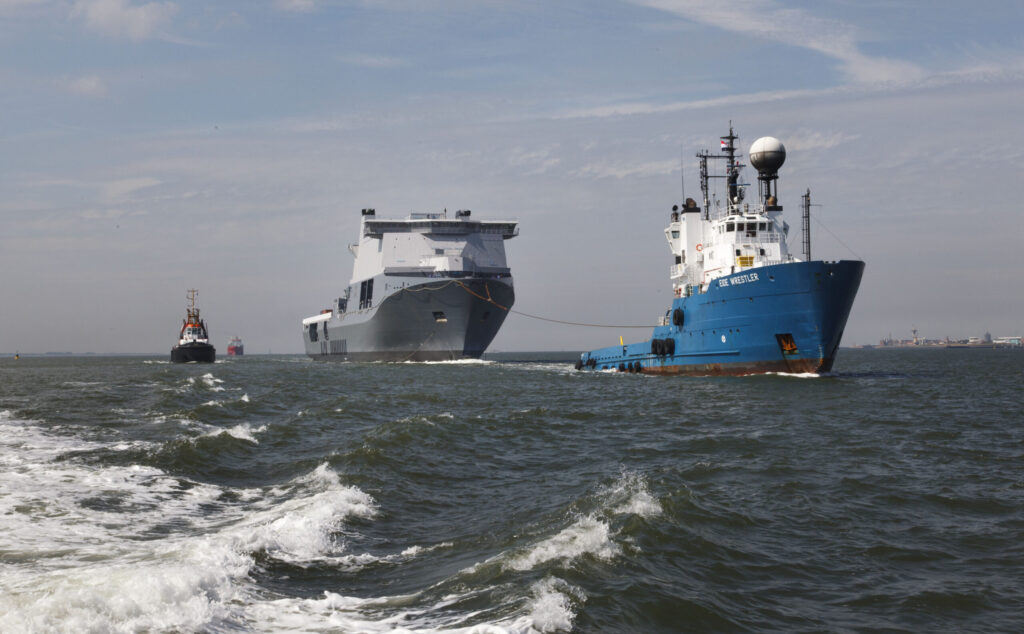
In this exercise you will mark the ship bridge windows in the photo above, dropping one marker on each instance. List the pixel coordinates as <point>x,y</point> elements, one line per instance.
<point>366,294</point>
<point>730,226</point>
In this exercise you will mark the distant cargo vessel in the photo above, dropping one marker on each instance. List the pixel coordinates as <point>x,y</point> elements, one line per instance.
<point>235,347</point>
<point>193,340</point>
<point>743,304</point>
<point>429,287</point>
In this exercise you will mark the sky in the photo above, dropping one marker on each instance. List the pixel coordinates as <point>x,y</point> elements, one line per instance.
<point>151,147</point>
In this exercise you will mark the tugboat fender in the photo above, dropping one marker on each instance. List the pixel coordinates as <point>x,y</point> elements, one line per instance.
<point>677,317</point>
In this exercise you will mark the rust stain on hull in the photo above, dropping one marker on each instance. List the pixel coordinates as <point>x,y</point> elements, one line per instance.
<point>791,366</point>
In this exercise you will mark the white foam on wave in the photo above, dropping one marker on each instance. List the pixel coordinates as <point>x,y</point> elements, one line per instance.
<point>299,529</point>
<point>586,536</point>
<point>794,375</point>
<point>555,367</point>
<point>88,569</point>
<point>242,431</point>
<point>629,494</point>
<point>212,382</point>
<point>551,608</point>
<point>79,547</point>
<point>244,398</point>
<point>453,362</point>
<point>413,551</point>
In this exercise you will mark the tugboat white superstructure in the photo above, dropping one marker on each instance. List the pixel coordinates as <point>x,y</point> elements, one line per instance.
<point>742,303</point>
<point>423,288</point>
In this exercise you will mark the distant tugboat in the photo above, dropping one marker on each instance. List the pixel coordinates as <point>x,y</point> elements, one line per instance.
<point>194,341</point>
<point>235,347</point>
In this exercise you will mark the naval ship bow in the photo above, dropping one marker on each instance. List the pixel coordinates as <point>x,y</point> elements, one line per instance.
<point>424,288</point>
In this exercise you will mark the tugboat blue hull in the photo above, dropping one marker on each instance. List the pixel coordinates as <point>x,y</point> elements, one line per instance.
<point>780,318</point>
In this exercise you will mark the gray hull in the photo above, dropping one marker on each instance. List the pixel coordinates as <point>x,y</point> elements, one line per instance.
<point>441,320</point>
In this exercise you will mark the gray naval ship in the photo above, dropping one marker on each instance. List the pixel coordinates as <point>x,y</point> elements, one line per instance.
<point>424,288</point>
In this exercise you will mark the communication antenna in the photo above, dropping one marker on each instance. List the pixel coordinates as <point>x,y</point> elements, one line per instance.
<point>682,175</point>
<point>807,225</point>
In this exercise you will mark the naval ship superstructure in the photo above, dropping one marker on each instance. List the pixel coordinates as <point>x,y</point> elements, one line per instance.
<point>743,304</point>
<point>424,288</point>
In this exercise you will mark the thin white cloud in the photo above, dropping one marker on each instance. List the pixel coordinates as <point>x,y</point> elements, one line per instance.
<point>768,20</point>
<point>605,170</point>
<point>646,108</point>
<point>118,18</point>
<point>802,140</point>
<point>119,189</point>
<point>110,214</point>
<point>88,86</point>
<point>536,161</point>
<point>372,61</point>
<point>11,5</point>
<point>298,6</point>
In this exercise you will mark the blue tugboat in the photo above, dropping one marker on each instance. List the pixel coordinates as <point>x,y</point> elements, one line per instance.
<point>743,304</point>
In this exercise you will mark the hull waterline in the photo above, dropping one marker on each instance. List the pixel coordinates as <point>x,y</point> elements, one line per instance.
<point>783,318</point>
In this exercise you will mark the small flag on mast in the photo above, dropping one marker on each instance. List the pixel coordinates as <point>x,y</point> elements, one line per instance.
<point>724,145</point>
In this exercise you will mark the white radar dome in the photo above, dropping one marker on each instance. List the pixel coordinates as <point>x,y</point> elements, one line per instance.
<point>767,154</point>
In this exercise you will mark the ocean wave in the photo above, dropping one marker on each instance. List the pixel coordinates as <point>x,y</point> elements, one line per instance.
<point>242,431</point>
<point>795,375</point>
<point>629,494</point>
<point>587,536</point>
<point>83,566</point>
<point>452,362</point>
<point>550,607</point>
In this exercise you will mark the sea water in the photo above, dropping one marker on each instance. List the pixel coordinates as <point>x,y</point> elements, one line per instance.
<point>279,494</point>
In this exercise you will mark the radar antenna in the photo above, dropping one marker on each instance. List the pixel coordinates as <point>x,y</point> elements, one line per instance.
<point>767,155</point>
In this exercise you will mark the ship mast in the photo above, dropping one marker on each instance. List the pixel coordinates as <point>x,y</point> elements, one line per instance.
<point>807,225</point>
<point>732,174</point>
<point>193,312</point>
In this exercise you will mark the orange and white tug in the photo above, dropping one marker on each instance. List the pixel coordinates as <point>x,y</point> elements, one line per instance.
<point>193,340</point>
